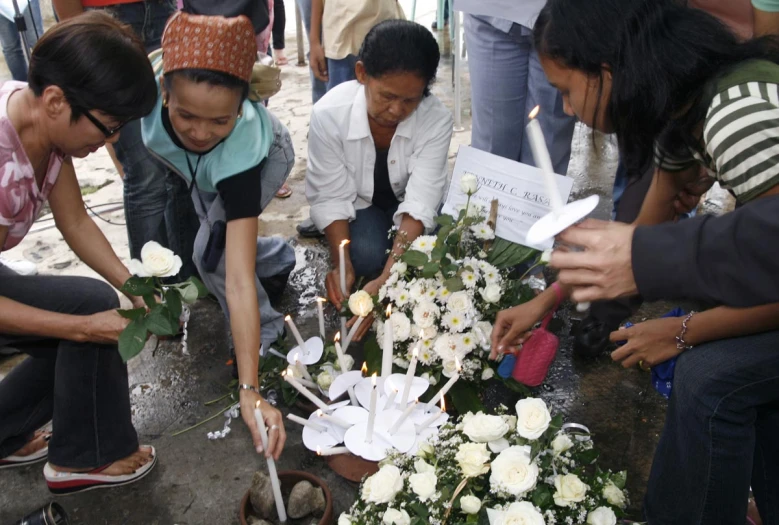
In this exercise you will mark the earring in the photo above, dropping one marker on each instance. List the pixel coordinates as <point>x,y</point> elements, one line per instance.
<point>240,113</point>
<point>165,102</point>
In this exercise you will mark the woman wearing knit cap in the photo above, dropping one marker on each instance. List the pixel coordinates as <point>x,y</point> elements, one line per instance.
<point>211,128</point>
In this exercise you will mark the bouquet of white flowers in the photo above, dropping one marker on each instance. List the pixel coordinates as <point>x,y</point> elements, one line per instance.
<point>496,469</point>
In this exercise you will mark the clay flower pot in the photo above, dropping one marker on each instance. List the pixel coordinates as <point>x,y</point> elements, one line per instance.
<point>288,479</point>
<point>351,467</point>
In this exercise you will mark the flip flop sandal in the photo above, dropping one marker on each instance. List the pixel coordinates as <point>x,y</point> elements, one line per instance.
<point>21,461</point>
<point>63,483</point>
<point>284,193</point>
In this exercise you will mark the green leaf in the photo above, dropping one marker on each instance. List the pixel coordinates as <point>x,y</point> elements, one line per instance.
<point>150,299</point>
<point>430,269</point>
<point>588,457</point>
<point>373,354</point>
<point>138,286</point>
<point>414,258</point>
<point>134,314</point>
<point>542,496</point>
<point>189,293</point>
<point>506,254</point>
<point>161,322</point>
<point>464,398</point>
<point>620,479</point>
<point>202,291</point>
<point>455,284</point>
<point>132,339</point>
<point>444,220</point>
<point>515,386</point>
<point>419,509</point>
<point>173,302</point>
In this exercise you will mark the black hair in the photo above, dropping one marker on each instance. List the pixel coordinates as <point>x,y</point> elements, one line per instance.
<point>664,59</point>
<point>98,63</point>
<point>210,77</point>
<point>397,46</point>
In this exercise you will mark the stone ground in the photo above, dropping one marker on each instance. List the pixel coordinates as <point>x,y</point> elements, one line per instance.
<point>201,481</point>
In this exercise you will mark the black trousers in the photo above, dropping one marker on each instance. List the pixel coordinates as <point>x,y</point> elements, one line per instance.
<point>279,24</point>
<point>81,386</point>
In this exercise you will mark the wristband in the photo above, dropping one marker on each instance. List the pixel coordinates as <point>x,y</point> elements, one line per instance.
<point>244,386</point>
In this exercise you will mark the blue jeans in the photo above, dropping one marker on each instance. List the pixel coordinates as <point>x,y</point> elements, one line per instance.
<point>318,88</point>
<point>369,234</point>
<point>11,41</point>
<point>340,71</point>
<point>720,435</point>
<point>507,82</point>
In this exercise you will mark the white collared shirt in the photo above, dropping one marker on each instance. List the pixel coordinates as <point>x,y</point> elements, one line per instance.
<point>342,156</point>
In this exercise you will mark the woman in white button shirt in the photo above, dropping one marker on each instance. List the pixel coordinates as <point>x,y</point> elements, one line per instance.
<point>377,155</point>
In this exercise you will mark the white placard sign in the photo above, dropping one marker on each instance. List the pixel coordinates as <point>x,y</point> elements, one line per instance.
<point>519,188</point>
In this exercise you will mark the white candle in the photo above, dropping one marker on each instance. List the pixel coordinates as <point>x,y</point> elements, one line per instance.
<point>344,330</point>
<point>543,161</point>
<point>412,368</point>
<point>332,419</point>
<point>295,332</point>
<point>449,384</point>
<point>372,412</point>
<point>342,361</point>
<point>306,423</point>
<point>320,301</point>
<point>274,477</point>
<point>342,264</point>
<point>304,382</point>
<point>391,399</point>
<point>302,370</point>
<point>289,378</point>
<point>403,417</point>
<point>389,343</point>
<point>332,451</point>
<point>353,331</point>
<point>434,417</point>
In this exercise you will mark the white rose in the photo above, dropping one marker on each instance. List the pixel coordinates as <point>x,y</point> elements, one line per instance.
<point>601,516</point>
<point>423,484</point>
<point>482,428</point>
<point>344,519</point>
<point>396,517</point>
<point>469,183</point>
<point>430,379</point>
<point>399,268</point>
<point>425,314</point>
<point>484,330</point>
<point>325,379</point>
<point>513,471</point>
<point>487,374</point>
<point>546,256</point>
<point>156,261</point>
<point>533,417</point>
<point>425,450</point>
<point>348,362</point>
<point>518,513</point>
<point>473,458</point>
<point>561,443</point>
<point>361,303</point>
<point>499,445</point>
<point>449,368</point>
<point>421,466</point>
<point>491,293</point>
<point>427,333</point>
<point>470,504</point>
<point>459,302</point>
<point>401,327</point>
<point>417,290</point>
<point>383,486</point>
<point>570,490</point>
<point>614,495</point>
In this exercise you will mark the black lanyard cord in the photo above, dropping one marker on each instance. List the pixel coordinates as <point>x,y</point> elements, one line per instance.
<point>193,174</point>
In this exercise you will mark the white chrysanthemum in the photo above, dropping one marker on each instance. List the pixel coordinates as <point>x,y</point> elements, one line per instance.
<point>444,294</point>
<point>402,298</point>
<point>448,347</point>
<point>425,314</point>
<point>468,341</point>
<point>424,243</point>
<point>455,322</point>
<point>492,276</point>
<point>469,279</point>
<point>427,355</point>
<point>431,294</point>
<point>417,290</point>
<point>483,232</point>
<point>401,327</point>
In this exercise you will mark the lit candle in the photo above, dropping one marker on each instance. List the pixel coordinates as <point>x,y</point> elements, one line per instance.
<point>295,332</point>
<point>289,378</point>
<point>342,361</point>
<point>306,383</point>
<point>434,417</point>
<point>543,161</point>
<point>391,399</point>
<point>302,368</point>
<point>306,423</point>
<point>332,419</point>
<point>320,301</point>
<point>332,451</point>
<point>274,477</point>
<point>449,384</point>
<point>342,264</point>
<point>412,368</point>
<point>403,417</point>
<point>372,413</point>
<point>353,331</point>
<point>364,369</point>
<point>389,343</point>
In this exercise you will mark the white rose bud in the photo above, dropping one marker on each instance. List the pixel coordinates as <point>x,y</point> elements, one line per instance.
<point>546,256</point>
<point>469,504</point>
<point>421,465</point>
<point>425,450</point>
<point>399,268</point>
<point>473,459</point>
<point>396,517</point>
<point>533,418</point>
<point>482,428</point>
<point>325,379</point>
<point>423,484</point>
<point>599,516</point>
<point>383,486</point>
<point>348,362</point>
<point>614,495</point>
<point>156,261</point>
<point>491,293</point>
<point>570,490</point>
<point>361,303</point>
<point>469,183</point>
<point>561,443</point>
<point>487,374</point>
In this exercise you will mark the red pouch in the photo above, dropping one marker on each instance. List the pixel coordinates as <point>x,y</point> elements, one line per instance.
<point>539,351</point>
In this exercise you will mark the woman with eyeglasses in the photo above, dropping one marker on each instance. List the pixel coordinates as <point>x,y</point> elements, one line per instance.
<point>88,76</point>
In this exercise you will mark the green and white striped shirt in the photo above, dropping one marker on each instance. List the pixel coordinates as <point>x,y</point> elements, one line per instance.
<point>740,134</point>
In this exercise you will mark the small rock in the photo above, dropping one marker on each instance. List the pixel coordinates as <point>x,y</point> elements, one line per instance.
<point>304,500</point>
<point>261,496</point>
<point>253,520</point>
<point>62,265</point>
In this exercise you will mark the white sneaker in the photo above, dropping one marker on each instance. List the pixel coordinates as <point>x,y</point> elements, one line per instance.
<point>20,267</point>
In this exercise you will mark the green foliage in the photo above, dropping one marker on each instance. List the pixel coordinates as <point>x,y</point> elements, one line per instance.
<point>465,398</point>
<point>132,339</point>
<point>506,254</point>
<point>414,258</point>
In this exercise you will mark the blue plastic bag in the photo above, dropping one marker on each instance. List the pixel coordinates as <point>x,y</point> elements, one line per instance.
<point>507,365</point>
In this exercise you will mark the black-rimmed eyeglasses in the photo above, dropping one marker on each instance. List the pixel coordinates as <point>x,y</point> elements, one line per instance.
<point>99,125</point>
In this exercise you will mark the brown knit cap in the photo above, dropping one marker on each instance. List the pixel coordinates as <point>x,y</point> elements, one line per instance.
<point>215,43</point>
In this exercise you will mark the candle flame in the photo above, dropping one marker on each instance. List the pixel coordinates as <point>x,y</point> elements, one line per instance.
<point>337,337</point>
<point>457,364</point>
<point>443,405</point>
<point>389,310</point>
<point>321,300</point>
<point>290,373</point>
<point>288,318</point>
<point>297,354</point>
<point>344,242</point>
<point>416,352</point>
<point>364,368</point>
<point>319,413</point>
<point>257,404</point>
<point>534,113</point>
<point>416,401</point>
<point>373,380</point>
<point>318,450</point>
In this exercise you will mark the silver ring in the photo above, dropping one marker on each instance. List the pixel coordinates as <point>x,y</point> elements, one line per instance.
<point>274,427</point>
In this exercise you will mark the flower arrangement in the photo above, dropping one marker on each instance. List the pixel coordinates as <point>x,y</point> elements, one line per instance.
<point>159,317</point>
<point>498,469</point>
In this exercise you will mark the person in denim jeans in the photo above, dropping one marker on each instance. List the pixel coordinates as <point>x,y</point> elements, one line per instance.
<point>11,40</point>
<point>156,204</point>
<point>212,130</point>
<point>318,87</point>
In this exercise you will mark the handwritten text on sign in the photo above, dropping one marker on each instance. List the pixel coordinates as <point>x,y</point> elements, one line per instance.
<point>519,188</point>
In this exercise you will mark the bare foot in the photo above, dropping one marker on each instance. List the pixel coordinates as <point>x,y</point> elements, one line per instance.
<point>39,440</point>
<point>281,59</point>
<point>120,467</point>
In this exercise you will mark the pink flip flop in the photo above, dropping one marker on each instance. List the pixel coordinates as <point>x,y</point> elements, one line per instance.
<point>63,483</point>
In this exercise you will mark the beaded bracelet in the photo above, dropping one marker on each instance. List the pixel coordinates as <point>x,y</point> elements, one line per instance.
<point>681,344</point>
